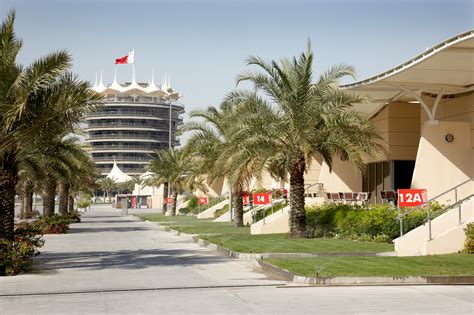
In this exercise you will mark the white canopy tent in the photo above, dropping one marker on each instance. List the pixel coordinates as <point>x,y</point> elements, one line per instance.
<point>117,175</point>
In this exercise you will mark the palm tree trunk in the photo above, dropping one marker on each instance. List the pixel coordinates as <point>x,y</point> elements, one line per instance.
<point>71,203</point>
<point>239,207</point>
<point>165,194</point>
<point>175,201</point>
<point>8,180</point>
<point>63,197</point>
<point>297,211</point>
<point>49,192</point>
<point>29,200</point>
<point>22,205</point>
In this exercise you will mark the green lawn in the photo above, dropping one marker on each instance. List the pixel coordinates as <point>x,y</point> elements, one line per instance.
<point>452,265</point>
<point>279,243</point>
<point>191,225</point>
<point>240,240</point>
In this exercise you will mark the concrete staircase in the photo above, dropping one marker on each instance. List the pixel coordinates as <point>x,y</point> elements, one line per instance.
<point>277,222</point>
<point>209,213</point>
<point>447,234</point>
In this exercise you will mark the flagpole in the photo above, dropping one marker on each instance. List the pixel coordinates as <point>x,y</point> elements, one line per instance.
<point>133,79</point>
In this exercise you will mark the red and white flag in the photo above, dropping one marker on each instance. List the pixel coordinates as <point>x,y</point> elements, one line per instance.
<point>129,58</point>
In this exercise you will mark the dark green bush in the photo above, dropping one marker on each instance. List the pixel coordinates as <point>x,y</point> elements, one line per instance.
<point>192,202</point>
<point>372,222</point>
<point>220,212</point>
<point>469,243</point>
<point>27,241</point>
<point>55,224</point>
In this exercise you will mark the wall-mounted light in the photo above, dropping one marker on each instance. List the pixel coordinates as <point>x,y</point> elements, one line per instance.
<point>344,156</point>
<point>449,137</point>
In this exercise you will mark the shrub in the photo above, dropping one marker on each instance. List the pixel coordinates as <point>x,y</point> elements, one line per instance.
<point>73,216</point>
<point>372,222</point>
<point>54,224</point>
<point>193,202</point>
<point>220,212</point>
<point>184,211</point>
<point>27,241</point>
<point>469,243</point>
<point>83,204</point>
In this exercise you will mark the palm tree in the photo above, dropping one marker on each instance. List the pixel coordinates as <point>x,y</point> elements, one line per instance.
<point>108,185</point>
<point>214,140</point>
<point>171,166</point>
<point>287,119</point>
<point>26,116</point>
<point>78,175</point>
<point>82,181</point>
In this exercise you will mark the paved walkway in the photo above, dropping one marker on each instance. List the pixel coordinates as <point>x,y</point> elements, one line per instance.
<point>113,264</point>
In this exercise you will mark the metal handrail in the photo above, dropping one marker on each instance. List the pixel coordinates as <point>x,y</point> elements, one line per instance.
<point>260,207</point>
<point>436,197</point>
<point>429,215</point>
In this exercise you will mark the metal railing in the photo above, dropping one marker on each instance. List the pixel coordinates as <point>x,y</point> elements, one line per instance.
<point>264,207</point>
<point>163,127</point>
<point>129,136</point>
<point>129,113</point>
<point>318,189</point>
<point>429,214</point>
<point>122,147</point>
<point>122,158</point>
<point>143,99</point>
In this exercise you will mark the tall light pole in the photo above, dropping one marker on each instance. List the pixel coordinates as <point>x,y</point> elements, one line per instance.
<point>169,146</point>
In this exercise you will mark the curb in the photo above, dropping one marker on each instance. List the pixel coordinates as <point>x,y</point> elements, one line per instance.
<point>251,256</point>
<point>284,274</point>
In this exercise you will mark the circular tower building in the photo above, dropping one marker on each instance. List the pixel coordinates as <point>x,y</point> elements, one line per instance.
<point>136,120</point>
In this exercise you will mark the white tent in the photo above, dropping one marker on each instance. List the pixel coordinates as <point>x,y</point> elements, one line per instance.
<point>117,175</point>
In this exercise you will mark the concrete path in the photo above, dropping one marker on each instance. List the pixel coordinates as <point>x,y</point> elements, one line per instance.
<point>110,264</point>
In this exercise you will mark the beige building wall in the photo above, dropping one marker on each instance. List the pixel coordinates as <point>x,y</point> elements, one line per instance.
<point>440,164</point>
<point>342,178</point>
<point>399,124</point>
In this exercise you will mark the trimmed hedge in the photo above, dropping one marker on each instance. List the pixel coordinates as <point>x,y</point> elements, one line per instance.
<point>368,223</point>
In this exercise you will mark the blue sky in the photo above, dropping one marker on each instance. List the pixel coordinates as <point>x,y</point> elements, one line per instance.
<point>204,44</point>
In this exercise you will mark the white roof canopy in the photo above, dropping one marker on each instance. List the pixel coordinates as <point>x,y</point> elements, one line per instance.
<point>117,175</point>
<point>135,88</point>
<point>445,69</point>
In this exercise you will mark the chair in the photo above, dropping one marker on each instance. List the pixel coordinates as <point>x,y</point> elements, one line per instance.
<point>336,197</point>
<point>361,197</point>
<point>348,197</point>
<point>383,195</point>
<point>391,196</point>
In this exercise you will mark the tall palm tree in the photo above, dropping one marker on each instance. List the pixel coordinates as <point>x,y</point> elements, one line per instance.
<point>82,181</point>
<point>214,140</point>
<point>287,119</point>
<point>107,185</point>
<point>78,174</point>
<point>171,166</point>
<point>26,115</point>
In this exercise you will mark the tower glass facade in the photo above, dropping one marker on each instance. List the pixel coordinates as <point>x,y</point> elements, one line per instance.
<point>129,128</point>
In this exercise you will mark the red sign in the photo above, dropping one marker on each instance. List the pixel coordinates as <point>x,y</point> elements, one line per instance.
<point>411,197</point>
<point>169,200</point>
<point>202,201</point>
<point>246,200</point>
<point>262,199</point>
